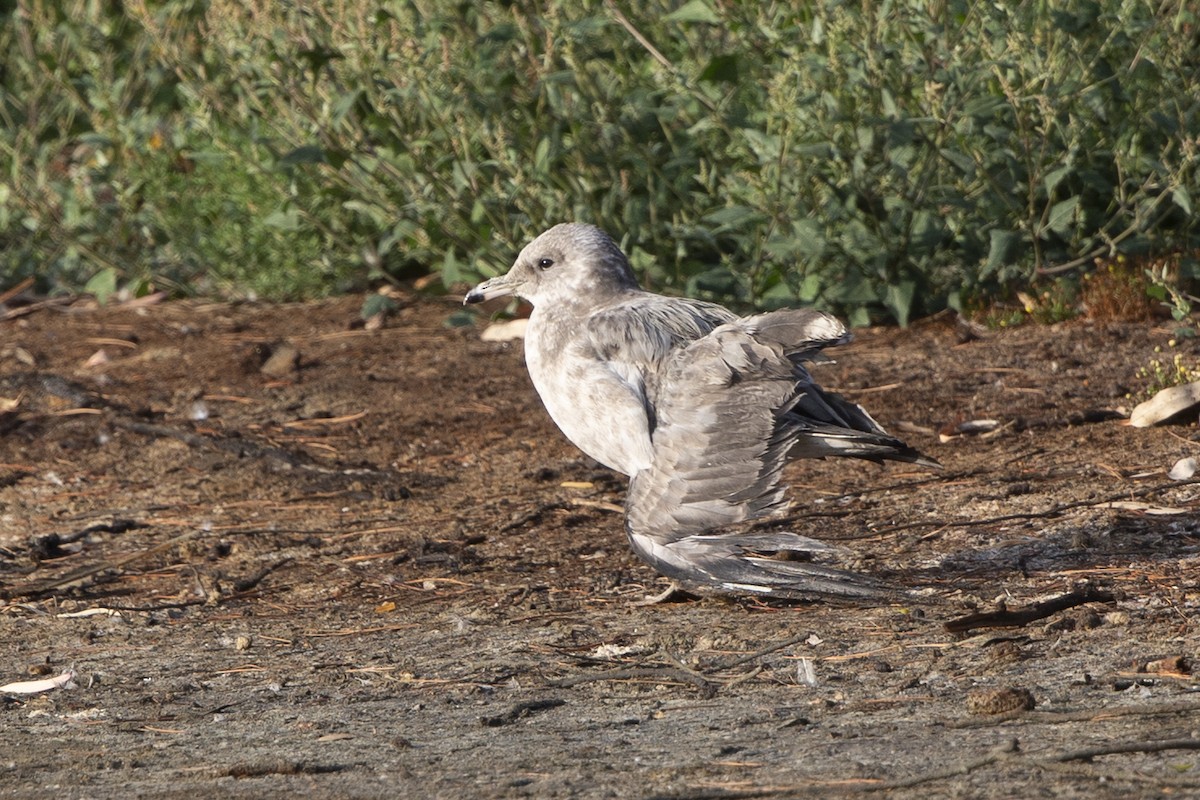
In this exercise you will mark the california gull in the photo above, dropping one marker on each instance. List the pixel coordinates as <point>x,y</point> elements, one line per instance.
<point>699,407</point>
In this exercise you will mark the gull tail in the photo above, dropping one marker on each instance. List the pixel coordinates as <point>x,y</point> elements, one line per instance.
<point>819,423</point>
<point>741,563</point>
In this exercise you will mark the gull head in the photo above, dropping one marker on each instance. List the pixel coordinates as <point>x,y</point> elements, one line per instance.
<point>570,263</point>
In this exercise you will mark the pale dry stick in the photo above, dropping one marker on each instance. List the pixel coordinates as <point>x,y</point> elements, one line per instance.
<point>654,52</point>
<point>599,505</point>
<point>1183,439</point>
<point>12,292</point>
<point>22,311</point>
<point>1003,752</point>
<point>766,651</point>
<point>1049,513</point>
<point>624,22</point>
<point>1159,746</point>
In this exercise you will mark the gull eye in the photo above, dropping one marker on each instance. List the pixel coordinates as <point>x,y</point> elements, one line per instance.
<point>545,263</point>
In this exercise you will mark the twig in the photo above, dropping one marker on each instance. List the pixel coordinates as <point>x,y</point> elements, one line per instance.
<point>10,293</point>
<point>1126,747</point>
<point>79,575</point>
<point>246,584</point>
<point>267,769</point>
<point>47,544</point>
<point>1004,751</point>
<point>520,711</point>
<point>1060,717</point>
<point>530,516</point>
<point>624,22</point>
<point>22,311</point>
<point>635,673</point>
<point>766,651</point>
<point>1049,513</point>
<point>599,505</point>
<point>654,52</point>
<point>1016,618</point>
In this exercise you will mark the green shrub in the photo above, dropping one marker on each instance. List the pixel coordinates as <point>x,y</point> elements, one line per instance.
<point>880,158</point>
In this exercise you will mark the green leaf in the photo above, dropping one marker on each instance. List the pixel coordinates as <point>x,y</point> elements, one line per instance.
<point>305,154</point>
<point>810,288</point>
<point>452,271</point>
<point>1002,249</point>
<point>102,285</point>
<point>379,215</point>
<point>1182,198</point>
<point>376,304</point>
<point>1054,178</point>
<point>717,280</point>
<point>345,104</point>
<point>889,103</point>
<point>859,317</point>
<point>694,11</point>
<point>284,220</point>
<point>818,29</point>
<point>1062,215</point>
<point>460,319</point>
<point>810,240</point>
<point>541,157</point>
<point>899,300</point>
<point>963,162</point>
<point>721,69</point>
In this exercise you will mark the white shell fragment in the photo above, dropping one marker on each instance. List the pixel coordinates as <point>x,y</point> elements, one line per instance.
<point>1165,405</point>
<point>806,672</point>
<point>43,685</point>
<point>1184,468</point>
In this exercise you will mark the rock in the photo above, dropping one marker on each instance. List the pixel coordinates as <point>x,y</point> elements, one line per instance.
<point>282,362</point>
<point>505,331</point>
<point>1000,701</point>
<point>1166,404</point>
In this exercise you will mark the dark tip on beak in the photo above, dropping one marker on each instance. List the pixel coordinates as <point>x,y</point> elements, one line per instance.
<point>492,287</point>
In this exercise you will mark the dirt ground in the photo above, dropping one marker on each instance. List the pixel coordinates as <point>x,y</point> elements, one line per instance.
<point>372,567</point>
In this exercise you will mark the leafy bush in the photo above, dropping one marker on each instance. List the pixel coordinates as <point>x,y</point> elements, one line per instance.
<point>880,158</point>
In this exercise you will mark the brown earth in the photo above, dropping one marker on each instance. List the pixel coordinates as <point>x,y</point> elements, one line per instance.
<point>381,572</point>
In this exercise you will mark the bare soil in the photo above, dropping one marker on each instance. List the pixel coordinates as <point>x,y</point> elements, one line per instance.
<point>380,571</point>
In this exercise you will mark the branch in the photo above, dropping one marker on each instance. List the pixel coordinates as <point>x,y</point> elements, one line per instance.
<point>1016,618</point>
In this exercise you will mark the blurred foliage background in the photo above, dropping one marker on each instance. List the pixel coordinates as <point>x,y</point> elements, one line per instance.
<point>881,159</point>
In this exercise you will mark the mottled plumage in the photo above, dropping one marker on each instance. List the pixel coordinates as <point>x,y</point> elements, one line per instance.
<point>700,408</point>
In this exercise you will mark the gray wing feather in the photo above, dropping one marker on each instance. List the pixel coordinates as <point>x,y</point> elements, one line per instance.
<point>637,335</point>
<point>733,407</point>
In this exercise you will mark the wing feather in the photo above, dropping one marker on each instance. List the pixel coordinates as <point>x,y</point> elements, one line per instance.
<point>733,407</point>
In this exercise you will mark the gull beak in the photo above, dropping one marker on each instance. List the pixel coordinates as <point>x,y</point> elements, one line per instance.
<point>499,286</point>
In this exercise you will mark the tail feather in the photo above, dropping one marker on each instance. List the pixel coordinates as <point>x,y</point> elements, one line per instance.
<point>735,562</point>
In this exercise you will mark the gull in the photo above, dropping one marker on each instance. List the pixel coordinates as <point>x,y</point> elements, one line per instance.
<point>699,407</point>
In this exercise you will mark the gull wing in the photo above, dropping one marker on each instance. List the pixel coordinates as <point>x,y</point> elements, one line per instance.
<point>635,337</point>
<point>733,407</point>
